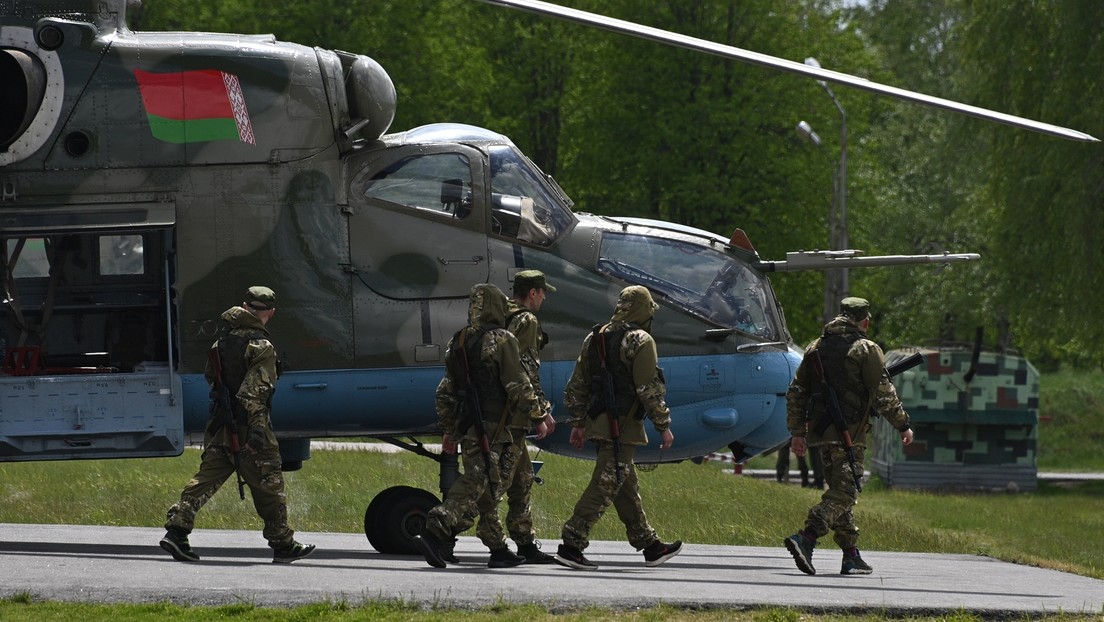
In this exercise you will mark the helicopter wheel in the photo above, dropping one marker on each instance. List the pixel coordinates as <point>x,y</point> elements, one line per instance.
<point>395,516</point>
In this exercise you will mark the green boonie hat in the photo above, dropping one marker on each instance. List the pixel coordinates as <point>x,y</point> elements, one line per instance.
<point>857,309</point>
<point>260,298</point>
<point>530,279</point>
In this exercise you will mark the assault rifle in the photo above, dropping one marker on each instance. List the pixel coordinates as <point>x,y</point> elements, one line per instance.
<point>610,398</point>
<point>835,415</point>
<point>469,399</point>
<point>220,395</point>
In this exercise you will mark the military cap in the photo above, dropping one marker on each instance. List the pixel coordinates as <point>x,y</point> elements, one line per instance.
<point>260,298</point>
<point>532,279</point>
<point>857,309</point>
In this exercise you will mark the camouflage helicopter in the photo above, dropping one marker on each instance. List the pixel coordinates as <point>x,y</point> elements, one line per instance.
<point>148,178</point>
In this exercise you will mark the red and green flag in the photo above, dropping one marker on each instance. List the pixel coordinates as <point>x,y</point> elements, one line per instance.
<point>195,106</point>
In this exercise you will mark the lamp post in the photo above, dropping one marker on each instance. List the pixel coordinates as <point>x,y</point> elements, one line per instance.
<point>831,293</point>
<point>837,282</point>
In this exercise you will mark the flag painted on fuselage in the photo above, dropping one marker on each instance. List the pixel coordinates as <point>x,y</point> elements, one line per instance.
<point>195,106</point>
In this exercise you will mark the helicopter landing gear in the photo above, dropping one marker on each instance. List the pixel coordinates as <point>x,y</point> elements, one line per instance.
<point>395,516</point>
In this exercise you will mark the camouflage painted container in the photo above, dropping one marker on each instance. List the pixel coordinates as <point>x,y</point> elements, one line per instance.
<point>976,425</point>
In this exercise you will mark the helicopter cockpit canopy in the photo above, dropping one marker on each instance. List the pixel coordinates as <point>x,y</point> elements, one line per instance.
<point>693,277</point>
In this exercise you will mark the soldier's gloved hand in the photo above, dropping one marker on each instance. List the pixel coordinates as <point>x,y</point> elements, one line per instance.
<point>256,441</point>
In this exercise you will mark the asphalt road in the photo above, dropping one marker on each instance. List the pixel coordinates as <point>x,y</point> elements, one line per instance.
<point>125,564</point>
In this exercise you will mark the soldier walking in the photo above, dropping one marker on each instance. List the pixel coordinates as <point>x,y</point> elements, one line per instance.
<point>853,368</point>
<point>611,413</point>
<point>484,388</point>
<point>530,289</point>
<point>248,372</point>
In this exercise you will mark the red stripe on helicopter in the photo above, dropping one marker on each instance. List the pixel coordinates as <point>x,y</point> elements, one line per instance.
<point>178,98</point>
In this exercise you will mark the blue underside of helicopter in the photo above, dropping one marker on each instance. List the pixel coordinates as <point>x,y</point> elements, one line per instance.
<point>720,401</point>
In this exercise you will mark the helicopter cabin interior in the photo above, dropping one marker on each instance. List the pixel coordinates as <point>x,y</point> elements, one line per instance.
<point>87,341</point>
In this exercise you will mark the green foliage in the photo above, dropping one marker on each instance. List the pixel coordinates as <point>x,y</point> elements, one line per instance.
<point>633,127</point>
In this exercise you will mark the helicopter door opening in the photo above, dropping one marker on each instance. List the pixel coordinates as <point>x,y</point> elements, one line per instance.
<point>88,340</point>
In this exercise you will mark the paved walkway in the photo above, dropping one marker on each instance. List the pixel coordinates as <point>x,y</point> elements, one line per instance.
<point>125,564</point>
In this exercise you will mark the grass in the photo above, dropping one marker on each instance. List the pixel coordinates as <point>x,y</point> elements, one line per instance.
<point>696,503</point>
<point>21,609</point>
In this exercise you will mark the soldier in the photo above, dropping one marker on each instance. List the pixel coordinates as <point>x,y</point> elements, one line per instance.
<point>249,372</point>
<point>854,367</point>
<point>531,288</point>
<point>482,363</point>
<point>611,414</point>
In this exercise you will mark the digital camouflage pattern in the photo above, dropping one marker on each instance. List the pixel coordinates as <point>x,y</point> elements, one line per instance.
<point>262,470</point>
<point>978,431</point>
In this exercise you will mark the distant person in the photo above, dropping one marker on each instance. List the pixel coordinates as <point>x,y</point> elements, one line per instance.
<point>483,361</point>
<point>625,348</point>
<point>782,468</point>
<point>531,288</point>
<point>854,367</point>
<point>249,372</point>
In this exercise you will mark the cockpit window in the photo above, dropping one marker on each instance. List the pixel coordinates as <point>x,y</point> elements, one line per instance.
<point>522,206</point>
<point>439,183</point>
<point>694,278</point>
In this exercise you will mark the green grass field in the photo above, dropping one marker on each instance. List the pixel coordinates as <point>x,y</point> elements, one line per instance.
<point>696,503</point>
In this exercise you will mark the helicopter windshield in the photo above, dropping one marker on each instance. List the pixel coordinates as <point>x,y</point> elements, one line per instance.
<point>696,279</point>
<point>522,205</point>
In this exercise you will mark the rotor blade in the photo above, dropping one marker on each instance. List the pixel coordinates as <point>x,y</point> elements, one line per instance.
<point>727,51</point>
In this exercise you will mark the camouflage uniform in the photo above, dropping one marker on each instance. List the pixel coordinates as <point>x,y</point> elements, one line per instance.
<point>500,358</point>
<point>261,470</point>
<point>519,521</point>
<point>615,481</point>
<point>863,389</point>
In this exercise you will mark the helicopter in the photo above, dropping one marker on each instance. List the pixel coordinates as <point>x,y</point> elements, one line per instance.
<point>148,178</point>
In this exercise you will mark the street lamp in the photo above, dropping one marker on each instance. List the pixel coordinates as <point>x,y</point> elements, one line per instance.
<point>831,293</point>
<point>838,235</point>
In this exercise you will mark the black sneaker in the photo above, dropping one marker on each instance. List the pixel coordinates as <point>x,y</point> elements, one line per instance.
<point>802,550</point>
<point>657,552</point>
<point>573,558</point>
<point>291,553</point>
<point>448,551</point>
<point>533,555</point>
<point>430,547</point>
<point>177,545</point>
<point>853,564</point>
<point>504,558</point>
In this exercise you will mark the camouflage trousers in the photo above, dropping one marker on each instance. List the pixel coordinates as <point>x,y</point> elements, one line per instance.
<point>264,478</point>
<point>463,499</point>
<point>834,510</point>
<point>519,519</point>
<point>608,488</point>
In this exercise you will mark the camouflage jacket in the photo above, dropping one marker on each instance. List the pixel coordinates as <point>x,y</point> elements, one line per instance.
<point>638,353</point>
<point>500,353</point>
<point>866,375</point>
<point>259,384</point>
<point>526,328</point>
